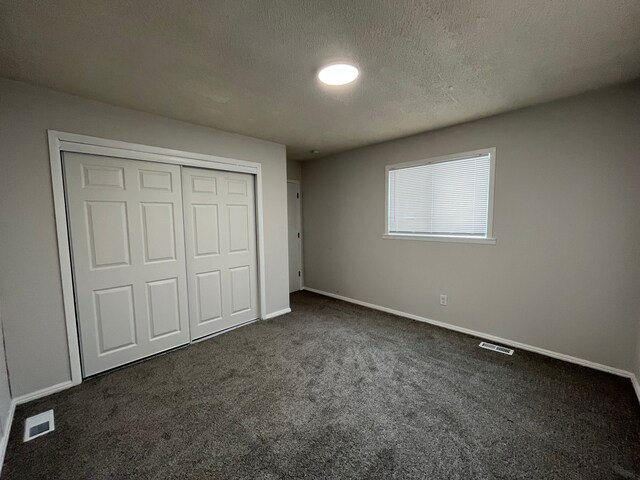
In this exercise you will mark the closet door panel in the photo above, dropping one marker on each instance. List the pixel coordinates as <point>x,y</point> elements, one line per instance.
<point>220,233</point>
<point>127,239</point>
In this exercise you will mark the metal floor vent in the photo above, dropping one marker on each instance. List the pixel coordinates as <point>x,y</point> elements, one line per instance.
<point>38,425</point>
<point>496,348</point>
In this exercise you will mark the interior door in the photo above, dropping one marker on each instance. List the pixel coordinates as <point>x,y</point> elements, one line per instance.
<point>220,234</point>
<point>295,242</point>
<point>127,239</point>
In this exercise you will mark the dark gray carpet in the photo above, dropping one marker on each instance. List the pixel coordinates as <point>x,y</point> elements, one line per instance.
<point>334,390</point>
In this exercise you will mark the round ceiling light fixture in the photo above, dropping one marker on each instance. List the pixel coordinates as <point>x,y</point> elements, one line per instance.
<point>338,74</point>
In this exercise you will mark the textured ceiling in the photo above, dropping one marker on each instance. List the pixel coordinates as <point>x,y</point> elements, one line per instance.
<point>249,66</point>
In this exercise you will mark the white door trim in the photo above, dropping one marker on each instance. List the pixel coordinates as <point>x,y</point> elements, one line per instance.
<point>70,142</point>
<point>300,243</point>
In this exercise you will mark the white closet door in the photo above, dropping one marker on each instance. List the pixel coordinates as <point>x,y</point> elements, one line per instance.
<point>220,234</point>
<point>128,258</point>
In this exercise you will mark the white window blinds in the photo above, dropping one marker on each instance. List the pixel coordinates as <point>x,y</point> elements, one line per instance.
<point>448,198</point>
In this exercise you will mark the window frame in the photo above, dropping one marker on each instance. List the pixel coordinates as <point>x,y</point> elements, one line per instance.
<point>489,239</point>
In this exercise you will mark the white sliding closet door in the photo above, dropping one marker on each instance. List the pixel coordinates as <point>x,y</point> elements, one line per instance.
<point>125,220</point>
<point>220,234</point>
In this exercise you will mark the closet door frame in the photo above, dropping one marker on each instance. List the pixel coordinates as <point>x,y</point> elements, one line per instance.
<point>60,142</point>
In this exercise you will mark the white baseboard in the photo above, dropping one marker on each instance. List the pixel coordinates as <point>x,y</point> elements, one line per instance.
<point>43,393</point>
<point>4,441</point>
<point>511,343</point>
<point>636,385</point>
<point>276,314</point>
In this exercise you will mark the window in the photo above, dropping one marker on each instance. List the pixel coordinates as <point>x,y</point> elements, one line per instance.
<point>447,198</point>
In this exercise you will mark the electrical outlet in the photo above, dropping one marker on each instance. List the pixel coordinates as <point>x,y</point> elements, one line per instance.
<point>443,300</point>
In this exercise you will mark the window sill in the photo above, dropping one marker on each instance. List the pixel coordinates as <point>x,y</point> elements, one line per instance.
<point>439,238</point>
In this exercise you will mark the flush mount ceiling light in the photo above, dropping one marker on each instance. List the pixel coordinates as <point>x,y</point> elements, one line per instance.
<point>338,74</point>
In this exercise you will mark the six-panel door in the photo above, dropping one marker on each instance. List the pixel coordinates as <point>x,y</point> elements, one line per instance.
<point>220,235</point>
<point>127,240</point>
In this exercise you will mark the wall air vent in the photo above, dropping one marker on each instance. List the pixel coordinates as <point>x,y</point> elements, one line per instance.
<point>38,425</point>
<point>496,348</point>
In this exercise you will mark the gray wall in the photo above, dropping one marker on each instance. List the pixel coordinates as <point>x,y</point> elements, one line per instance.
<point>294,170</point>
<point>565,273</point>
<point>37,351</point>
